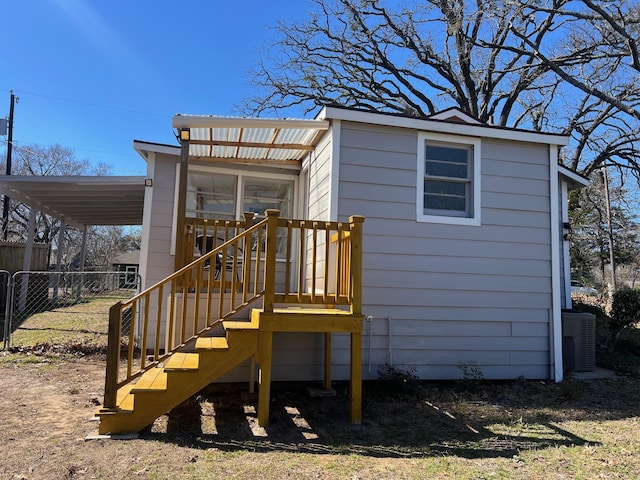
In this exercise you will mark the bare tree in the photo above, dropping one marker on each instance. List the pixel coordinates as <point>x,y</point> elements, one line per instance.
<point>35,160</point>
<point>106,242</point>
<point>55,160</point>
<point>602,36</point>
<point>557,65</point>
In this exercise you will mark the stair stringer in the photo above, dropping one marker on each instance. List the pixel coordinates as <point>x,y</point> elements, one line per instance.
<point>138,408</point>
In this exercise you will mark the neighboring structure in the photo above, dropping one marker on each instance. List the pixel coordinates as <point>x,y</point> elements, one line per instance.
<point>465,260</point>
<point>129,263</point>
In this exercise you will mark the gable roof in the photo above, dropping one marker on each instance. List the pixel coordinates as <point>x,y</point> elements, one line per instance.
<point>441,125</point>
<point>455,115</point>
<point>128,258</point>
<point>575,180</point>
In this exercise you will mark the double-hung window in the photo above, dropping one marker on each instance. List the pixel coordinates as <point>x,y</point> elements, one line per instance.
<point>448,182</point>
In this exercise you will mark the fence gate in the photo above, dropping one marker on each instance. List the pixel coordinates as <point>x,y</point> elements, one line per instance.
<point>50,307</point>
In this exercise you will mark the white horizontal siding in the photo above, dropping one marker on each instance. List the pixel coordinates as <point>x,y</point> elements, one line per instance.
<point>319,178</point>
<point>451,293</point>
<point>160,261</point>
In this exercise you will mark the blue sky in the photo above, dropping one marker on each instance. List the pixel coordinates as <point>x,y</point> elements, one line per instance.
<point>95,75</point>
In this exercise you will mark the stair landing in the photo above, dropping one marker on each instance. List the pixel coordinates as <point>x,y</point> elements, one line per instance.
<point>305,319</point>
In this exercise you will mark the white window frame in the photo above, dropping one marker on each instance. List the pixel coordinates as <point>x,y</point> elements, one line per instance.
<point>241,176</point>
<point>295,197</point>
<point>473,219</point>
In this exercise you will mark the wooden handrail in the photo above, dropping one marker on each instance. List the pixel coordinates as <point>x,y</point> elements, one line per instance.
<point>328,270</point>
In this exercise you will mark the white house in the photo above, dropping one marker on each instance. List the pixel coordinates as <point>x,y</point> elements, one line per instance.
<point>464,257</point>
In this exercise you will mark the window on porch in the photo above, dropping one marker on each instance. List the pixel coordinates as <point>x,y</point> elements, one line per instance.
<point>226,196</point>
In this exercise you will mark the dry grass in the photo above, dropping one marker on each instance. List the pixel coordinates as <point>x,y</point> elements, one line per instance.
<point>455,430</point>
<point>84,325</point>
<point>437,430</point>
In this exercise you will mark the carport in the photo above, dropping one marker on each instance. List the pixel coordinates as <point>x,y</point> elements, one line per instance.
<point>77,201</point>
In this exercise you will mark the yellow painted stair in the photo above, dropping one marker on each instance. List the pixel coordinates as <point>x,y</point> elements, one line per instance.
<point>183,374</point>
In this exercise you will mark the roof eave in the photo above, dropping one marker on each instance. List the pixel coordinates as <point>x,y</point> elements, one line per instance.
<point>575,180</point>
<point>196,121</point>
<point>442,126</point>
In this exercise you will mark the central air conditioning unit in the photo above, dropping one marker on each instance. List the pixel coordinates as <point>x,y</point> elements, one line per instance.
<point>578,341</point>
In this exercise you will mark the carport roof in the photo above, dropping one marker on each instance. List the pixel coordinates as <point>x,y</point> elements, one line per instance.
<point>80,200</point>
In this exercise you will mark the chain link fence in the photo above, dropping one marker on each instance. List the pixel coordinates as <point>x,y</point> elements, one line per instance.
<point>64,304</point>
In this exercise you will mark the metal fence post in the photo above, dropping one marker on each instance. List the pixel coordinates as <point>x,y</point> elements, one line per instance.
<point>8,313</point>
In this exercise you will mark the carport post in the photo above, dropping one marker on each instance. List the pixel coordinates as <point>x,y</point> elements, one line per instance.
<point>26,264</point>
<point>63,226</point>
<point>83,251</point>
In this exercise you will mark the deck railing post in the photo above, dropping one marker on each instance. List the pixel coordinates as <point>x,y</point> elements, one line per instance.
<point>355,227</point>
<point>113,356</point>
<point>246,255</point>
<point>248,220</point>
<point>270,259</point>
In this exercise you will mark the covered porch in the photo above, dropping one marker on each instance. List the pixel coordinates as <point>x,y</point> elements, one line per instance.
<point>242,273</point>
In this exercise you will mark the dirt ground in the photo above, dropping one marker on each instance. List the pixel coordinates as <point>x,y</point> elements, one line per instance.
<point>433,430</point>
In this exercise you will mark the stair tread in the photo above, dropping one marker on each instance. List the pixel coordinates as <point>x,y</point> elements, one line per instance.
<point>315,311</point>
<point>211,343</point>
<point>127,403</point>
<point>309,311</point>
<point>182,361</point>
<point>153,379</point>
<point>125,398</point>
<point>240,325</point>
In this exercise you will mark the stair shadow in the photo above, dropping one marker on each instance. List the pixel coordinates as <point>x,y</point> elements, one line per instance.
<point>394,428</point>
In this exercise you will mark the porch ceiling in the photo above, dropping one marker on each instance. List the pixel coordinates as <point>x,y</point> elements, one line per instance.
<point>80,200</point>
<point>251,140</point>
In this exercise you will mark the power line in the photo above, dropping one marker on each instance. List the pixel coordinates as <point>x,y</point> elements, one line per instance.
<point>26,149</point>
<point>43,156</point>
<point>80,102</point>
<point>75,149</point>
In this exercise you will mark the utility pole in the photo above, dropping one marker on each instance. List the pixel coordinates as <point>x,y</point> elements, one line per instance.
<point>5,208</point>
<point>605,179</point>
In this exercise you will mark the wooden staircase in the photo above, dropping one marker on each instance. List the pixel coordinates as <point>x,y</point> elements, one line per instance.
<point>146,377</point>
<point>180,376</point>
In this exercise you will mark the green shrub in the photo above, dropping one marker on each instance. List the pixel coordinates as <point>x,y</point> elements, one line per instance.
<point>472,376</point>
<point>398,382</point>
<point>625,313</point>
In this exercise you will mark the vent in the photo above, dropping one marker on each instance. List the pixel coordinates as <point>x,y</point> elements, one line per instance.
<point>578,341</point>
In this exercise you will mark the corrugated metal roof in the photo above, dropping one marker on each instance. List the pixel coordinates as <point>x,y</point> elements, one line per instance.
<point>257,139</point>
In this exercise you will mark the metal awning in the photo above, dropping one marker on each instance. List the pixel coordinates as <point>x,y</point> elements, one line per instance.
<point>251,140</point>
<point>80,200</point>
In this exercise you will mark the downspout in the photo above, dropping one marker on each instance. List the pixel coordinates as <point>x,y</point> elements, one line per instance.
<point>565,246</point>
<point>389,340</point>
<point>369,320</point>
<point>555,330</point>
